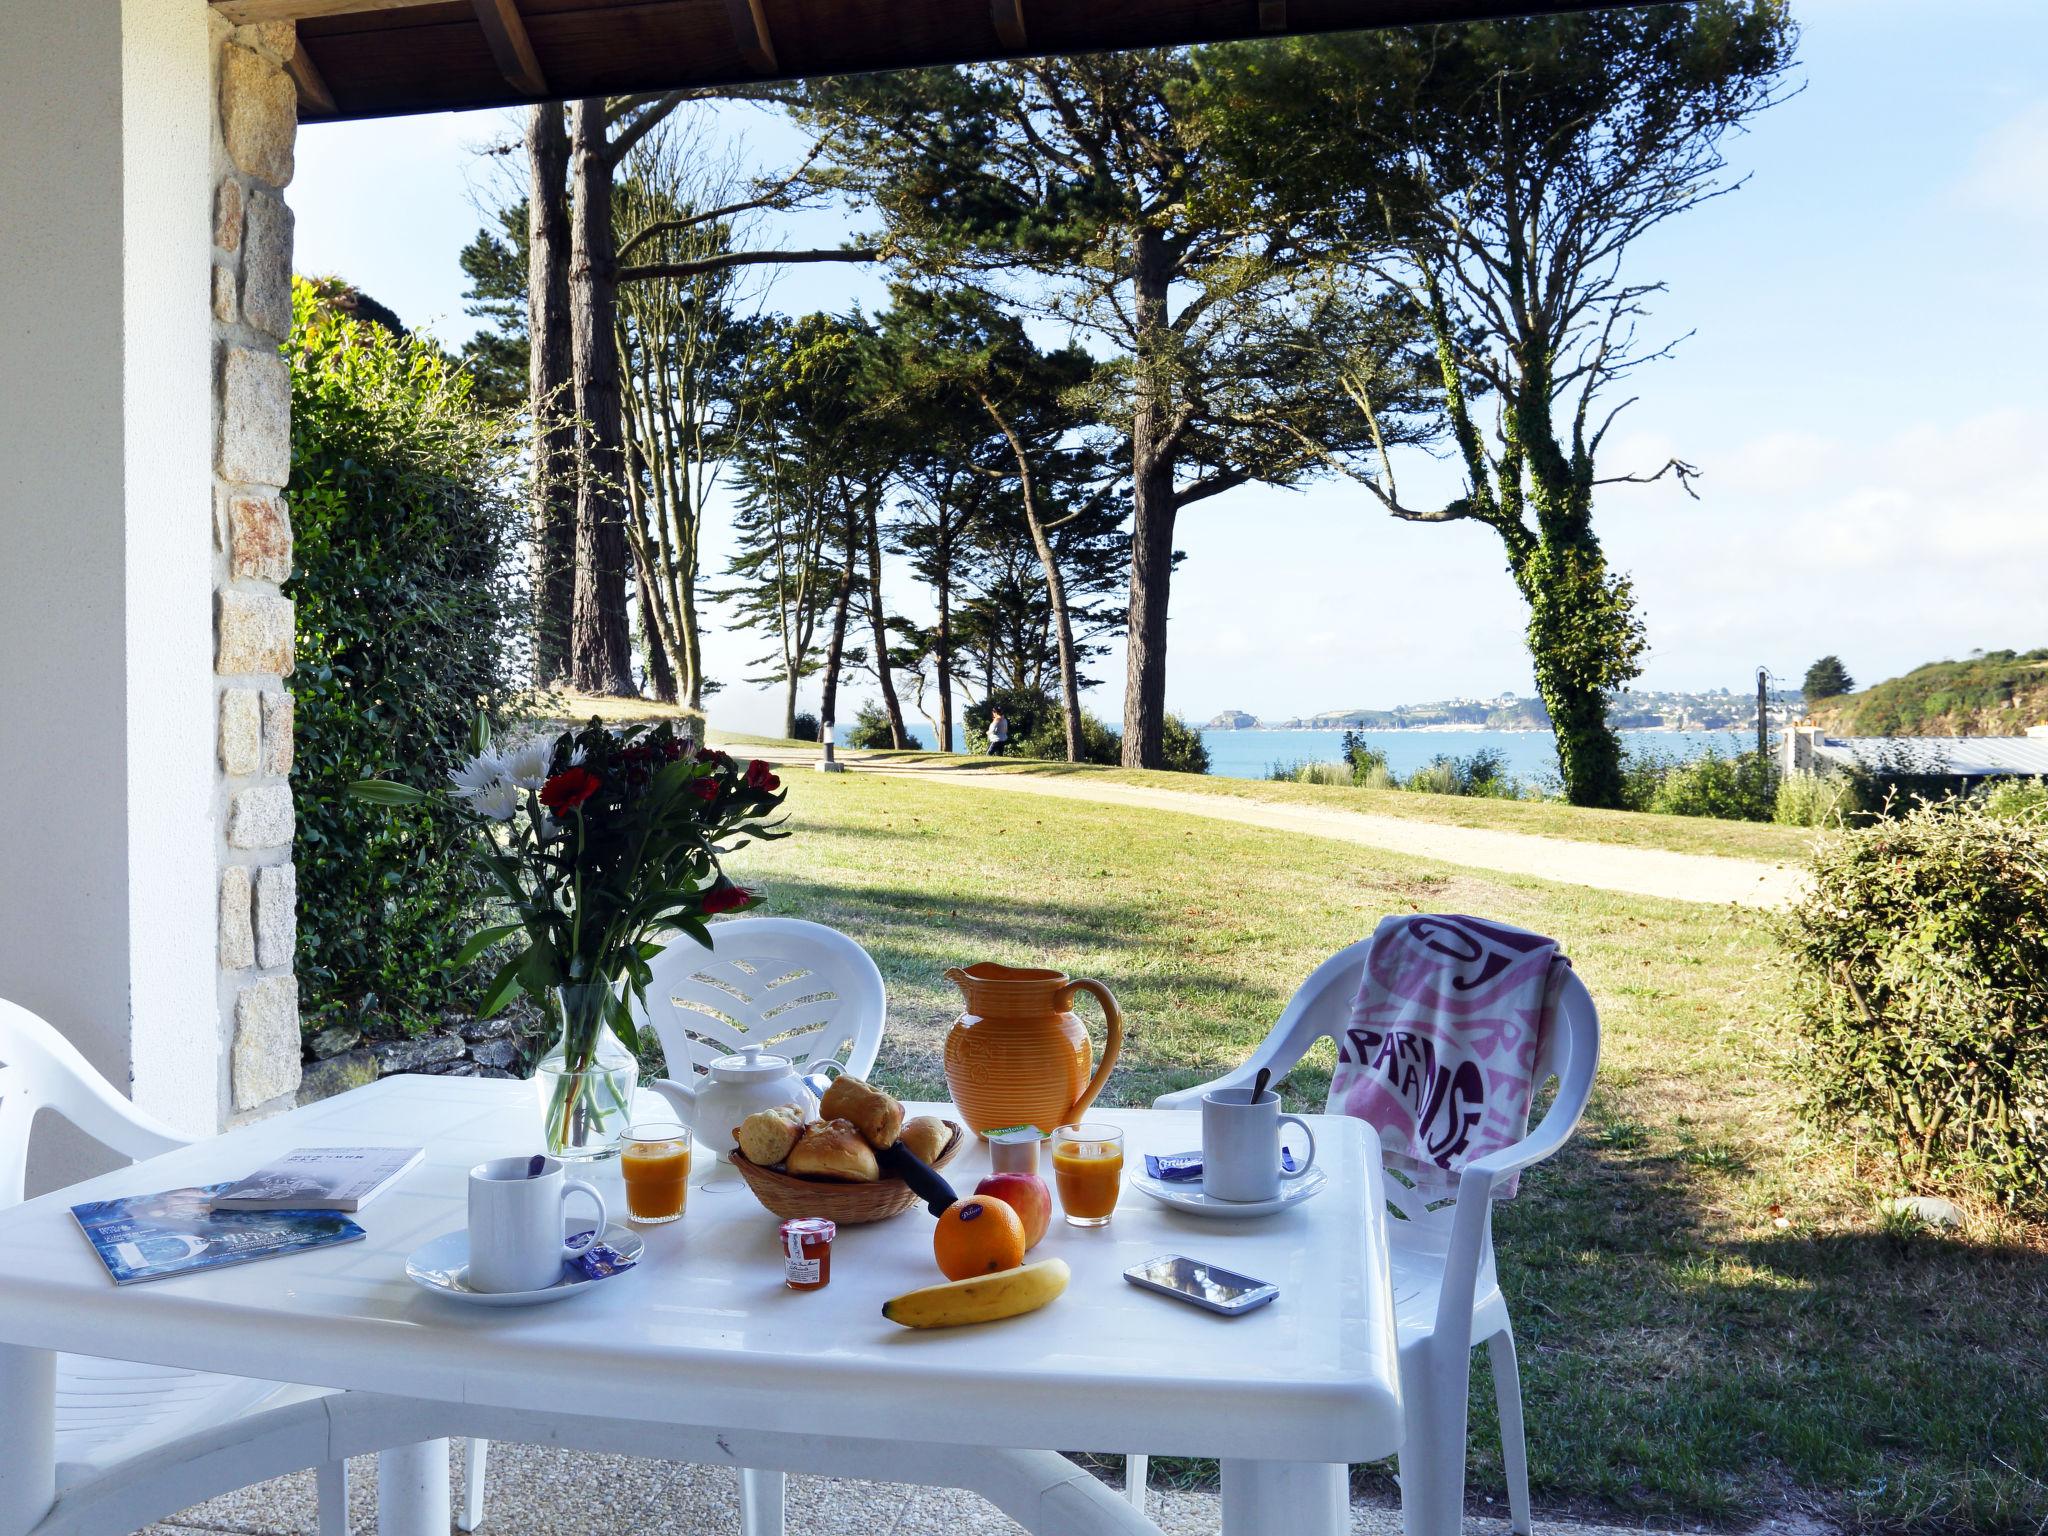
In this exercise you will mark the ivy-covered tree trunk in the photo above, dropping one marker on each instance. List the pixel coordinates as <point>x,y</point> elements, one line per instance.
<point>899,738</point>
<point>553,499</point>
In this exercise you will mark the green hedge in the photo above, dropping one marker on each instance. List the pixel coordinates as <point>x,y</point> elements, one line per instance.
<point>1922,954</point>
<point>402,508</point>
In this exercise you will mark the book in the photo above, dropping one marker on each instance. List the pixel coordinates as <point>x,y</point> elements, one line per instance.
<point>177,1232</point>
<point>320,1179</point>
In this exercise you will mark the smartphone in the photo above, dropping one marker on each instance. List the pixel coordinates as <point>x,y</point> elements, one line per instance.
<point>1206,1285</point>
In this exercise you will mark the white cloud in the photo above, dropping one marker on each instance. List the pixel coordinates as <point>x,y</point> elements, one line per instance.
<point>2009,173</point>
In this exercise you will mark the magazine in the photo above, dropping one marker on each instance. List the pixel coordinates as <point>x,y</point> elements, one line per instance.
<point>320,1179</point>
<point>176,1231</point>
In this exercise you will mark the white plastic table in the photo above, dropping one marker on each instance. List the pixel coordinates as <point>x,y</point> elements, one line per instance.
<point>704,1336</point>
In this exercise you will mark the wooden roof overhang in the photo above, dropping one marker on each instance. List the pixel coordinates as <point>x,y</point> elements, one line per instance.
<point>383,58</point>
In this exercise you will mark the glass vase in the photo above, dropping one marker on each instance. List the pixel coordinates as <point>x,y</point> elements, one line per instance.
<point>586,1079</point>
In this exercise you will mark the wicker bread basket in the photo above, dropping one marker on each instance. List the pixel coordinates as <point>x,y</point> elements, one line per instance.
<point>848,1204</point>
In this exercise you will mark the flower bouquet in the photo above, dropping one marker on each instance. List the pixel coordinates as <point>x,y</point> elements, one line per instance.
<point>605,845</point>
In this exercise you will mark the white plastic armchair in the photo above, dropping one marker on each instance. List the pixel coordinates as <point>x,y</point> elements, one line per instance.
<point>103,1415</point>
<point>798,989</point>
<point>1447,1298</point>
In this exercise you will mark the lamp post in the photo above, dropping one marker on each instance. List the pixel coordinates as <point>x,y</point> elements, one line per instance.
<point>828,764</point>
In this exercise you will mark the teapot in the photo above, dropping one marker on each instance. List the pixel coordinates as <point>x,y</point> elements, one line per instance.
<point>735,1087</point>
<point>1018,1055</point>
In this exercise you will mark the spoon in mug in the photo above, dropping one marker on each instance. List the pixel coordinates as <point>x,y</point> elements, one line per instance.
<point>1259,1084</point>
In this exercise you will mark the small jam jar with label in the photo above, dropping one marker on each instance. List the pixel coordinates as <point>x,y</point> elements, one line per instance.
<point>807,1252</point>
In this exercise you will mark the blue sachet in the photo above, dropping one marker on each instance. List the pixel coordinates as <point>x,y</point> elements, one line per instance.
<point>1186,1167</point>
<point>595,1260</point>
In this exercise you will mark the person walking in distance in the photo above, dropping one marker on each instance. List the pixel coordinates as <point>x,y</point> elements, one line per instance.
<point>998,734</point>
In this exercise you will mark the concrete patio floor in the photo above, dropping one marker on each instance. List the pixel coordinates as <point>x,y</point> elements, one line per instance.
<point>542,1491</point>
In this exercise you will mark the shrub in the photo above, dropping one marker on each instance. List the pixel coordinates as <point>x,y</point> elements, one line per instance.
<point>2014,798</point>
<point>1482,774</point>
<point>1182,748</point>
<point>1922,957</point>
<point>804,727</point>
<point>1733,786</point>
<point>1813,800</point>
<point>1302,772</point>
<point>1027,710</point>
<point>870,728</point>
<point>1368,763</point>
<point>405,540</point>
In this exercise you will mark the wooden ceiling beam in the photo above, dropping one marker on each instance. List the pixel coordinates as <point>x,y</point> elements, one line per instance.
<point>750,32</point>
<point>1008,16</point>
<point>312,88</point>
<point>505,31</point>
<point>248,12</point>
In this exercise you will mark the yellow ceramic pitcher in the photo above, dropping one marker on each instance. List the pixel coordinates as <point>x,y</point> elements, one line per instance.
<point>1017,1055</point>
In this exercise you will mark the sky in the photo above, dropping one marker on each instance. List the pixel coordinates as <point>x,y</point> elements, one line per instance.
<point>1859,383</point>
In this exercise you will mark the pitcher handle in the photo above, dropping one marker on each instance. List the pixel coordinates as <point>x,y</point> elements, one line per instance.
<point>1112,1047</point>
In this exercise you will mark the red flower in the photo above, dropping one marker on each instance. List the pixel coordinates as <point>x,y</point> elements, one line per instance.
<point>569,789</point>
<point>758,777</point>
<point>705,789</point>
<point>726,898</point>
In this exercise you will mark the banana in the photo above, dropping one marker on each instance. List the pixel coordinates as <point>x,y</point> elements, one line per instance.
<point>981,1298</point>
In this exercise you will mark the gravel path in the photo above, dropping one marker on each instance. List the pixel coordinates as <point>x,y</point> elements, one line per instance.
<point>1700,877</point>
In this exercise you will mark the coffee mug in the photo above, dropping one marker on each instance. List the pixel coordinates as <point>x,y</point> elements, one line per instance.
<point>516,1221</point>
<point>1241,1144</point>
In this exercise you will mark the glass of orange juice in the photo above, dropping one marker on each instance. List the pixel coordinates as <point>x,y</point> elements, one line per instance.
<point>654,1159</point>
<point>1088,1165</point>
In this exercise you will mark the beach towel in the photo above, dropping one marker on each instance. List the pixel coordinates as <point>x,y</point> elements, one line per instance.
<point>1440,1053</point>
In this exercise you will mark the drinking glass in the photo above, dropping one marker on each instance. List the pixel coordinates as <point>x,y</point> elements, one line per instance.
<point>1088,1165</point>
<point>654,1159</point>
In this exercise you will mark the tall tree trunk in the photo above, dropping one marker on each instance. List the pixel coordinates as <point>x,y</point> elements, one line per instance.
<point>659,674</point>
<point>942,652</point>
<point>600,647</point>
<point>693,645</point>
<point>549,391</point>
<point>1055,586</point>
<point>1153,441</point>
<point>789,708</point>
<point>842,598</point>
<point>899,738</point>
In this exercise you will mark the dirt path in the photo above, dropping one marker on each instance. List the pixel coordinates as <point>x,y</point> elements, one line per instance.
<point>1700,877</point>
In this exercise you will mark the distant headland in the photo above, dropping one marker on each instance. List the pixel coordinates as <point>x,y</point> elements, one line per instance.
<point>1719,710</point>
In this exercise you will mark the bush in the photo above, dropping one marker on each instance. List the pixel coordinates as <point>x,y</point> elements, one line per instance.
<point>405,538</point>
<point>1303,772</point>
<point>1027,710</point>
<point>1922,954</point>
<point>1733,786</point>
<point>870,728</point>
<point>1182,748</point>
<point>1482,774</point>
<point>1813,800</point>
<point>2014,798</point>
<point>804,727</point>
<point>1368,764</point>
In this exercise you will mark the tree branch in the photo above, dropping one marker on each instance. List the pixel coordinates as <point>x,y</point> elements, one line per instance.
<point>724,259</point>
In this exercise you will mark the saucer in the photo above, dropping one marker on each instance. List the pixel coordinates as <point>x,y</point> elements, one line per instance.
<point>442,1267</point>
<point>1190,1198</point>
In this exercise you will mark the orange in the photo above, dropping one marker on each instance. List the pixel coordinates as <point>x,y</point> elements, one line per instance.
<point>978,1237</point>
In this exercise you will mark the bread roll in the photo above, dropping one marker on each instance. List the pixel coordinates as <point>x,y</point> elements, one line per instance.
<point>877,1117</point>
<point>833,1149</point>
<point>767,1135</point>
<point>925,1136</point>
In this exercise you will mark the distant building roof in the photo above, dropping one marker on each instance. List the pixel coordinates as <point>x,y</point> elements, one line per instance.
<point>1965,757</point>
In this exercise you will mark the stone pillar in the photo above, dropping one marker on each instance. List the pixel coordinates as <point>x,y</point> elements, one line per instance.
<point>254,129</point>
<point>107,884</point>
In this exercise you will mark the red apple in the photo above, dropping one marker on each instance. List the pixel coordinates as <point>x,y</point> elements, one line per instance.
<point>1026,1194</point>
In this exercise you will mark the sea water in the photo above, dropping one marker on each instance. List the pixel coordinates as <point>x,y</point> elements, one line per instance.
<point>1528,755</point>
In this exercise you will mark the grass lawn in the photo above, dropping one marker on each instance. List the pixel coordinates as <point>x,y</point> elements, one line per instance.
<point>1684,1353</point>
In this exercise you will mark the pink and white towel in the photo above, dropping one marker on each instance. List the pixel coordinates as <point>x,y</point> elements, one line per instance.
<point>1440,1055</point>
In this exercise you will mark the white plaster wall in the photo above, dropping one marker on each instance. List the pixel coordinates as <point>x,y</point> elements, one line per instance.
<point>106,862</point>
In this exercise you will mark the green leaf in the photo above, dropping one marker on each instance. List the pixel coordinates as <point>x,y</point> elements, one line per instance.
<point>387,792</point>
<point>502,988</point>
<point>482,941</point>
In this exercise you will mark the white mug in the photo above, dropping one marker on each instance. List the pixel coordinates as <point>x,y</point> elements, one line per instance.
<point>1241,1144</point>
<point>516,1222</point>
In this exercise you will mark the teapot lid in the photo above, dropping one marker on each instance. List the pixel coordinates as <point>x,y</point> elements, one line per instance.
<point>750,1065</point>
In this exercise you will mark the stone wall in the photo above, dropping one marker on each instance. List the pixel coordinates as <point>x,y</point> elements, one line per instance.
<point>253,138</point>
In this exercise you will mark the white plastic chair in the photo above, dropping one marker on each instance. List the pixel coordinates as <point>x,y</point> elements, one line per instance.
<point>798,989</point>
<point>1447,1299</point>
<point>110,1412</point>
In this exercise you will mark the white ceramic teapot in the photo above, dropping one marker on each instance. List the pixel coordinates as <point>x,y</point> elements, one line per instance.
<point>734,1088</point>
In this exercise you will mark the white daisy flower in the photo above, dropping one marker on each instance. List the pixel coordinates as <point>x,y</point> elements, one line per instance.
<point>527,764</point>
<point>478,774</point>
<point>498,801</point>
